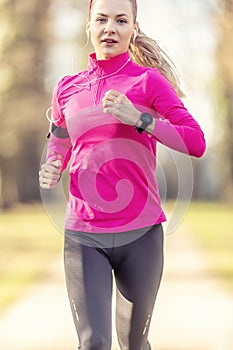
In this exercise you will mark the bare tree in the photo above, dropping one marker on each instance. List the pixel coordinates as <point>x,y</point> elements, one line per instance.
<point>24,39</point>
<point>225,90</point>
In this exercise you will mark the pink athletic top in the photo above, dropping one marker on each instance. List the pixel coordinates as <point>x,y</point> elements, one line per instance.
<point>112,171</point>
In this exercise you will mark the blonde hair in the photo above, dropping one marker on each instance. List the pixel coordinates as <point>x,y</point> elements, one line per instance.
<point>145,51</point>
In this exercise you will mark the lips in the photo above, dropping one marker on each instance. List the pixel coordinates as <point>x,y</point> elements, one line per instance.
<point>109,41</point>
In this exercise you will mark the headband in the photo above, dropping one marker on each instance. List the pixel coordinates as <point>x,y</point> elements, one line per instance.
<point>135,1</point>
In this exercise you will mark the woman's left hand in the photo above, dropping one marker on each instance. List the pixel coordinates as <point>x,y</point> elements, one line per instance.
<point>119,105</point>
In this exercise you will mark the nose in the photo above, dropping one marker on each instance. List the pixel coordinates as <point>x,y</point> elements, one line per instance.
<point>110,28</point>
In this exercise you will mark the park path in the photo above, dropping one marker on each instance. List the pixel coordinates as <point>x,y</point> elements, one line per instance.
<point>193,310</point>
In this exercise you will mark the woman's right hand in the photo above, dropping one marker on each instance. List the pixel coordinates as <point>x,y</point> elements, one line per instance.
<point>50,174</point>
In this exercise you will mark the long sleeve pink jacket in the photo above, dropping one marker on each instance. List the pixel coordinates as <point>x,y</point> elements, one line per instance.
<point>113,187</point>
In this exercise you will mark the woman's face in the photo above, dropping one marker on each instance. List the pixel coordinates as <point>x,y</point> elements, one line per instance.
<point>111,27</point>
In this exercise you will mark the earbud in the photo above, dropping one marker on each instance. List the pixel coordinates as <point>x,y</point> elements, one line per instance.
<point>135,33</point>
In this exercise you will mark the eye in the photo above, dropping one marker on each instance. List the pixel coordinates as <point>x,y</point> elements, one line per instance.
<point>101,20</point>
<point>121,21</point>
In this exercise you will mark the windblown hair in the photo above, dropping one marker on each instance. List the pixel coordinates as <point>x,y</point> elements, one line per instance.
<point>145,51</point>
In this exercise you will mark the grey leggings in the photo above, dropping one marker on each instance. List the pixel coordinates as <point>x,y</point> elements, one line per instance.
<point>137,267</point>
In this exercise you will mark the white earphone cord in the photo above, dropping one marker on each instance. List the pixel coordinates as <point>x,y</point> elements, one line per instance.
<point>49,118</point>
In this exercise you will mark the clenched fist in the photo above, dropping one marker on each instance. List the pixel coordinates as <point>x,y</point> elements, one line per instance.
<point>50,174</point>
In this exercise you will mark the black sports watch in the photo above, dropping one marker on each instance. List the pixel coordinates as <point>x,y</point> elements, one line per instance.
<point>146,119</point>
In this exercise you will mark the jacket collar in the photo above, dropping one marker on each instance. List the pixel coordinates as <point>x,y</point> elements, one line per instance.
<point>107,66</point>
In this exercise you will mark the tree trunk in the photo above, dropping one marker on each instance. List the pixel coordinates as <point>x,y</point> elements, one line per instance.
<point>225,112</point>
<point>23,100</point>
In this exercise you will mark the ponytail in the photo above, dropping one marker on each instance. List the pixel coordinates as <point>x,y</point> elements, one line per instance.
<point>146,52</point>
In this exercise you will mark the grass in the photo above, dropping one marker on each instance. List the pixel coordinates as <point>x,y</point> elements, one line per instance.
<point>212,225</point>
<point>29,242</point>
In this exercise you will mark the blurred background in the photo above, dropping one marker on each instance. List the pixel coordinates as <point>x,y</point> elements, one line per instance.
<point>40,41</point>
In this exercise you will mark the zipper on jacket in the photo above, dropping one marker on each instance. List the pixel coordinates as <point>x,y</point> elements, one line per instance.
<point>96,87</point>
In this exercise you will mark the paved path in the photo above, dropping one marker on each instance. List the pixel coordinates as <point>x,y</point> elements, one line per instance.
<point>193,311</point>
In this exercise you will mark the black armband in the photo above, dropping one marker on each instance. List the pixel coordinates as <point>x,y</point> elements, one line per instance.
<point>61,133</point>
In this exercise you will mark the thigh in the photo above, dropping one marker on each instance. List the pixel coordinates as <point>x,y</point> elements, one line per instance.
<point>89,285</point>
<point>138,278</point>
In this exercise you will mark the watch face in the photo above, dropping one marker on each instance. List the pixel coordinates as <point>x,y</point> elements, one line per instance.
<point>146,117</point>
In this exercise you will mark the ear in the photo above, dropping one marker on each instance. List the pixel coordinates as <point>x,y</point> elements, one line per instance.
<point>136,28</point>
<point>88,28</point>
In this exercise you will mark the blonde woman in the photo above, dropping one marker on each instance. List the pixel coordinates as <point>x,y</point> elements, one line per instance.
<point>107,120</point>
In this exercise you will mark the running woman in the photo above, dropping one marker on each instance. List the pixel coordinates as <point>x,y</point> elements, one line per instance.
<point>107,120</point>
